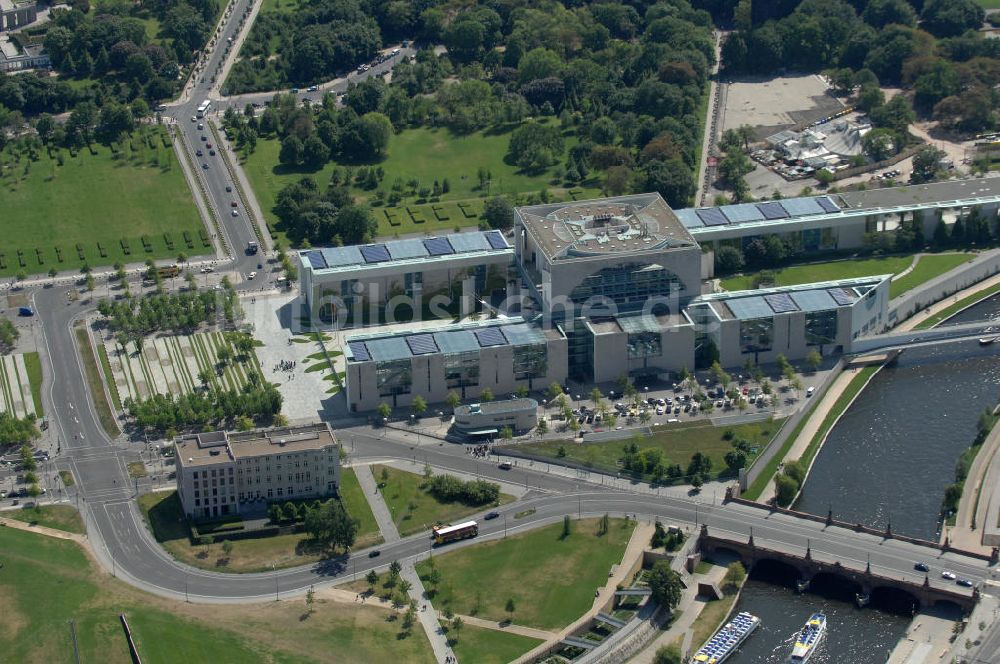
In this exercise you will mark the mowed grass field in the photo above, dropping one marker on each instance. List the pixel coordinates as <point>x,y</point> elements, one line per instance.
<point>46,583</point>
<point>413,509</point>
<point>96,201</point>
<point>425,154</point>
<point>60,517</point>
<point>489,646</point>
<point>677,443</point>
<point>550,578</point>
<point>928,267</point>
<point>166,520</point>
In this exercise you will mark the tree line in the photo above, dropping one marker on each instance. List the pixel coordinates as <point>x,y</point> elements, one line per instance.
<point>211,407</point>
<point>17,430</point>
<point>132,319</point>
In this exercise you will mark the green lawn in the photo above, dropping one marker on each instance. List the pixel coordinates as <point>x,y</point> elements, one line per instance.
<point>34,366</point>
<point>60,517</point>
<point>677,443</point>
<point>96,202</point>
<point>282,6</point>
<point>712,615</point>
<point>164,514</point>
<point>551,579</point>
<point>421,153</point>
<point>928,267</point>
<point>353,498</point>
<point>955,307</point>
<point>989,4</point>
<point>813,272</point>
<point>46,583</point>
<point>413,509</point>
<point>489,646</point>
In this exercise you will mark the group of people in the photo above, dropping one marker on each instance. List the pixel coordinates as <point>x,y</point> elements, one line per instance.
<point>481,451</point>
<point>287,366</point>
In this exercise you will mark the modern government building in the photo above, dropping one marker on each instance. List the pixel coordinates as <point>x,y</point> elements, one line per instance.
<point>591,290</point>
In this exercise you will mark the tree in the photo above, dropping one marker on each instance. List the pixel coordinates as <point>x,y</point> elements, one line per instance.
<point>332,526</point>
<point>926,164</point>
<point>227,548</point>
<point>498,213</point>
<point>486,395</point>
<point>728,259</point>
<point>384,410</point>
<point>735,575</point>
<point>813,360</point>
<point>665,585</point>
<point>785,489</point>
<point>456,625</point>
<point>543,426</point>
<point>310,599</point>
<point>419,406</point>
<point>453,400</point>
<point>880,143</point>
<point>949,18</point>
<point>567,527</point>
<point>291,150</point>
<point>314,152</point>
<point>668,654</point>
<point>534,146</point>
<point>509,608</point>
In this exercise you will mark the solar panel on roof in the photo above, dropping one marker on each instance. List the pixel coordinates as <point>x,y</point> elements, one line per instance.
<point>315,259</point>
<point>458,341</point>
<point>342,256</point>
<point>798,207</point>
<point>438,246</point>
<point>497,240</point>
<point>712,216</point>
<point>412,248</point>
<point>522,334</point>
<point>741,213</point>
<point>490,336</point>
<point>421,344</point>
<point>840,296</point>
<point>359,350</point>
<point>827,204</point>
<point>375,253</point>
<point>772,210</point>
<point>781,303</point>
<point>465,242</point>
<point>388,348</point>
<point>814,300</point>
<point>689,218</point>
<point>746,308</point>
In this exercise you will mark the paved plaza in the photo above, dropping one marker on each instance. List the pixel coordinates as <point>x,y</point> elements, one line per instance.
<point>770,105</point>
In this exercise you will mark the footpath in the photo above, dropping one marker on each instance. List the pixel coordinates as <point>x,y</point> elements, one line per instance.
<point>981,486</point>
<point>377,503</point>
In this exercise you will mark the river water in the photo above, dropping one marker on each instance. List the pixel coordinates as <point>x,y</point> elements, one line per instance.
<point>890,457</point>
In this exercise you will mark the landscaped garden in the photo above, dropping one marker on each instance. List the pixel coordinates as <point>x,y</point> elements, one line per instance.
<point>543,578</point>
<point>415,507</point>
<point>673,445</point>
<point>424,155</point>
<point>927,267</point>
<point>97,206</point>
<point>165,517</point>
<point>53,593</point>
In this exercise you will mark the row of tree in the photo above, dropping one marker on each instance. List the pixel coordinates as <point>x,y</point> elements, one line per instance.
<point>210,407</point>
<point>309,217</point>
<point>17,430</point>
<point>132,319</point>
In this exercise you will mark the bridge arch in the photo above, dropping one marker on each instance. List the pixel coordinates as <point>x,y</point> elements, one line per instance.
<point>774,570</point>
<point>834,585</point>
<point>894,599</point>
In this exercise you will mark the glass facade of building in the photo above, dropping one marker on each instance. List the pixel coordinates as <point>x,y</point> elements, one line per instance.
<point>821,327</point>
<point>756,335</point>
<point>462,369</point>
<point>628,286</point>
<point>393,377</point>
